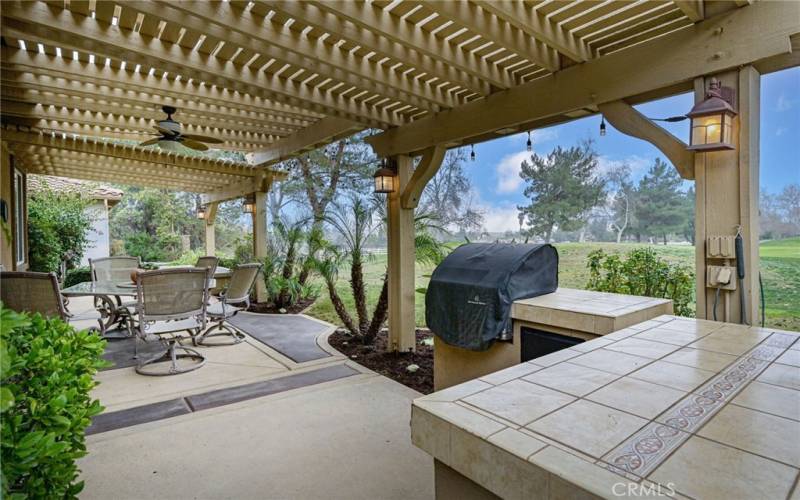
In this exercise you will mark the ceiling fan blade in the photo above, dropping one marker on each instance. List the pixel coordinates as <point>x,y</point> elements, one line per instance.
<point>203,138</point>
<point>199,146</point>
<point>150,142</point>
<point>165,131</point>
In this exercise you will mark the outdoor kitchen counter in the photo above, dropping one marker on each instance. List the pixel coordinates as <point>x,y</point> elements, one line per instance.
<point>698,408</point>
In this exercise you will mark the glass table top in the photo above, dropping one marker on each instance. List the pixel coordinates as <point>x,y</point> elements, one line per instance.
<point>100,288</point>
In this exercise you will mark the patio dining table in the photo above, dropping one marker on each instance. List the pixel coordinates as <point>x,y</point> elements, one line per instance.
<point>108,294</point>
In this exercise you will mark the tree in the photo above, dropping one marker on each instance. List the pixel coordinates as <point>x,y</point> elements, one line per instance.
<point>562,187</point>
<point>660,204</point>
<point>58,228</point>
<point>619,201</point>
<point>353,223</point>
<point>445,195</point>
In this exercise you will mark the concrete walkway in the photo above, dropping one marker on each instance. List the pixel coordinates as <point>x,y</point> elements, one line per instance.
<point>254,423</point>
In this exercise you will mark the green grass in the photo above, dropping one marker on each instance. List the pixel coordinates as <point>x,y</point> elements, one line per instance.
<point>780,269</point>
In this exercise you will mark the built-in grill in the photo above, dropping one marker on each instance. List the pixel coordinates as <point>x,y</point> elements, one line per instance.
<point>469,297</point>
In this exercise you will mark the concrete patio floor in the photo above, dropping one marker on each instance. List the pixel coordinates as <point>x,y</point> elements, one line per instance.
<point>326,428</point>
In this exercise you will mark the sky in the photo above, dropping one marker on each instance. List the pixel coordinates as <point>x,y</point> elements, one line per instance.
<point>495,171</point>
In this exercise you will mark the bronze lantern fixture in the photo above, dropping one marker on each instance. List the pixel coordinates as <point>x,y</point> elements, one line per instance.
<point>384,179</point>
<point>201,212</point>
<point>712,120</point>
<point>249,206</point>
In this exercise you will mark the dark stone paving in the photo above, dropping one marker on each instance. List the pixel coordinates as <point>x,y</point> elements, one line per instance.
<point>229,395</point>
<point>120,352</point>
<point>138,415</point>
<point>293,336</point>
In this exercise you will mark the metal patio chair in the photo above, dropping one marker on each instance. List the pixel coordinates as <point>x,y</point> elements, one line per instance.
<point>171,306</point>
<point>232,300</point>
<point>32,292</point>
<point>116,269</point>
<point>211,263</point>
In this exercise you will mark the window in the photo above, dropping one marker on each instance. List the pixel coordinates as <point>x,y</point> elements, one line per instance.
<point>19,217</point>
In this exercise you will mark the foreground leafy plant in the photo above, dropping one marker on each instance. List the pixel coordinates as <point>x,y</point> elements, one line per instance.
<point>642,272</point>
<point>46,372</point>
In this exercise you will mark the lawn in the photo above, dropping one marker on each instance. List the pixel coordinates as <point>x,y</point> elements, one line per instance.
<point>780,269</point>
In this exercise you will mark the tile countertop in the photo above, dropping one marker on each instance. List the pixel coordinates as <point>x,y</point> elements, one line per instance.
<point>687,407</point>
<point>596,313</point>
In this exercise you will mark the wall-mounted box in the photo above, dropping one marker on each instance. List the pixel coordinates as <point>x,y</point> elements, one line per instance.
<point>720,247</point>
<point>723,277</point>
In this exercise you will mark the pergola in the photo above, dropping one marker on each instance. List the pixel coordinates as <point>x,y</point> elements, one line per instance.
<point>277,78</point>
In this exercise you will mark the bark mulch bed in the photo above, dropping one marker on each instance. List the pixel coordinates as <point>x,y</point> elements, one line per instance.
<point>269,308</point>
<point>391,364</point>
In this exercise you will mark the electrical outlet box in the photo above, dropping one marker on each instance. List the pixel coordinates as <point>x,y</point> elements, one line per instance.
<point>720,247</point>
<point>723,277</point>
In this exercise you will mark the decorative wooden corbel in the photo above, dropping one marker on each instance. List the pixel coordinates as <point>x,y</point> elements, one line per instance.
<point>629,121</point>
<point>428,166</point>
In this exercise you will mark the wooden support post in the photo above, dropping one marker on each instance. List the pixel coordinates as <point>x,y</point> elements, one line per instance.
<point>402,258</point>
<point>727,189</point>
<point>260,240</point>
<point>211,215</point>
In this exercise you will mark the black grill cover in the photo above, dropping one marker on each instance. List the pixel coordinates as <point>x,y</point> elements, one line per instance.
<point>468,302</point>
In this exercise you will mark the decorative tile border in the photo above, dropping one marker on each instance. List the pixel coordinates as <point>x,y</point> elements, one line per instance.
<point>640,454</point>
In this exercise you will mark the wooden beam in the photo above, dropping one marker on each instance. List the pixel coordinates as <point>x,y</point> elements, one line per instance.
<point>102,148</point>
<point>262,182</point>
<point>330,20</point>
<point>693,9</point>
<point>713,45</point>
<point>401,261</point>
<point>629,121</point>
<point>260,240</point>
<point>210,240</point>
<point>224,21</point>
<point>523,17</point>
<point>322,132</point>
<point>141,85</point>
<point>70,31</point>
<point>101,115</point>
<point>425,170</point>
<point>486,24</point>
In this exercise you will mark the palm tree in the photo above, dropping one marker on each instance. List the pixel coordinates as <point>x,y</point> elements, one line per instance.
<point>354,223</point>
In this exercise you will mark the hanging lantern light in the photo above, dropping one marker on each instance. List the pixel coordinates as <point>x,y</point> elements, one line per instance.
<point>603,126</point>
<point>249,206</point>
<point>201,212</point>
<point>529,143</point>
<point>712,120</point>
<point>384,179</point>
<point>472,152</point>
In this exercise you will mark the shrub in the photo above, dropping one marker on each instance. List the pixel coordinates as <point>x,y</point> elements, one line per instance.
<point>58,225</point>
<point>161,247</point>
<point>77,275</point>
<point>643,273</point>
<point>46,370</point>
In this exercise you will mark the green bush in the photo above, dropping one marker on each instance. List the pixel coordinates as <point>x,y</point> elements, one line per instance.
<point>46,372</point>
<point>643,273</point>
<point>161,247</point>
<point>58,225</point>
<point>77,275</point>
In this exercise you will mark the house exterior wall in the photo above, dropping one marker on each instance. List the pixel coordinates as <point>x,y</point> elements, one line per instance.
<point>8,254</point>
<point>99,240</point>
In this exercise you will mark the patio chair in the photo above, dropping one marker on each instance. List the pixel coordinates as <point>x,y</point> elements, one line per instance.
<point>232,300</point>
<point>33,293</point>
<point>171,303</point>
<point>211,263</point>
<point>116,269</point>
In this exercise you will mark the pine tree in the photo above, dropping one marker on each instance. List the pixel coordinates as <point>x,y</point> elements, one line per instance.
<point>660,204</point>
<point>562,187</point>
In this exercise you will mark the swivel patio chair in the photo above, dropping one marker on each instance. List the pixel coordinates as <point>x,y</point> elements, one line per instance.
<point>116,269</point>
<point>211,263</point>
<point>238,293</point>
<point>171,306</point>
<point>33,293</point>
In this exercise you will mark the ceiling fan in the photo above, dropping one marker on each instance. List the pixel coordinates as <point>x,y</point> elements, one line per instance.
<point>170,135</point>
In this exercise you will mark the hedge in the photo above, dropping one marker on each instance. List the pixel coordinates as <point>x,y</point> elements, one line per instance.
<point>46,374</point>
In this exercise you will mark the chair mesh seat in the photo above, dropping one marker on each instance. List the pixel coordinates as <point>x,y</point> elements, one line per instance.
<point>160,327</point>
<point>221,310</point>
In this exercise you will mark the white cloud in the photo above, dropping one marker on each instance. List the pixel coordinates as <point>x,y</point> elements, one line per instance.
<point>500,218</point>
<point>784,103</point>
<point>638,164</point>
<point>508,179</point>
